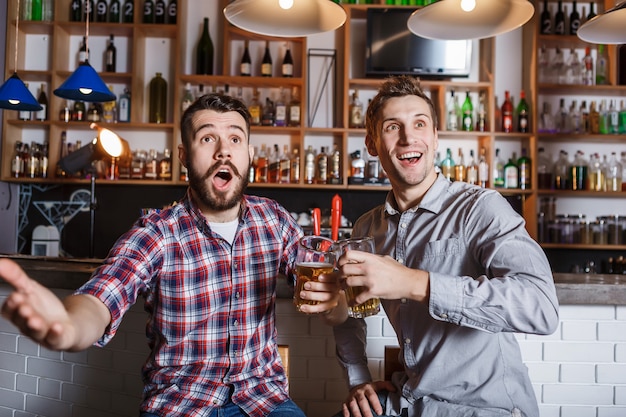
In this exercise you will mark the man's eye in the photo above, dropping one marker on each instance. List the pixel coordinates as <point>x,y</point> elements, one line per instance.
<point>208,139</point>
<point>420,124</point>
<point>236,139</point>
<point>392,127</point>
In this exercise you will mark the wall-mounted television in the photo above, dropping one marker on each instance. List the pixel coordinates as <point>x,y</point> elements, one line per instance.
<point>392,49</point>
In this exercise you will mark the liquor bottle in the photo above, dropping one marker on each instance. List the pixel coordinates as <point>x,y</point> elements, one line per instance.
<point>546,19</point>
<point>76,11</point>
<point>43,102</point>
<point>574,70</point>
<point>543,65</point>
<point>596,175</point>
<point>309,165</point>
<point>481,116</point>
<point>594,119</point>
<point>262,166</point>
<point>601,66</point>
<point>460,170</point>
<point>507,113</point>
<point>65,114</point>
<point>159,11</point>
<point>110,56</point>
<point>172,12</point>
<point>575,120</point>
<point>114,11</point>
<point>559,20</point>
<point>266,63</point>
<point>152,165</point>
<point>587,76</point>
<point>255,109</point>
<point>614,174</point>
<point>579,172</point>
<point>622,118</point>
<point>109,110</point>
<point>545,175</point>
<point>284,176</point>
<point>321,167</point>
<point>498,171</point>
<point>101,12</point>
<point>287,67</point>
<point>123,113</point>
<point>592,13</point>
<point>447,165</point>
<point>603,118</point>
<point>165,166</point>
<point>524,171</point>
<point>295,166</point>
<point>158,99</point>
<point>245,66</point>
<point>574,20</point>
<point>89,10</point>
<point>483,169</point>
<point>293,110</point>
<point>204,51</point>
<point>187,99</point>
<point>471,171</point>
<point>148,12</point>
<point>452,113</point>
<point>17,164</point>
<point>274,165</point>
<point>523,114</point>
<point>267,116</point>
<point>511,174</point>
<point>83,52</point>
<point>584,117</point>
<point>128,11</point>
<point>36,10</point>
<point>79,112</point>
<point>468,113</point>
<point>24,114</point>
<point>613,118</point>
<point>357,165</point>
<point>356,111</point>
<point>561,172</point>
<point>280,109</point>
<point>561,118</point>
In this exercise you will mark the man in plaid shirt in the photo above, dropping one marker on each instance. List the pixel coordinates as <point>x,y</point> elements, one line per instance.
<point>207,270</point>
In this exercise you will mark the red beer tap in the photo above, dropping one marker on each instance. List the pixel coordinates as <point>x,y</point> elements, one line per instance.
<point>335,216</point>
<point>317,221</point>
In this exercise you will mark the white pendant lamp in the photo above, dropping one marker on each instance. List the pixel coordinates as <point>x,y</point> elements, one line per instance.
<point>606,28</point>
<point>469,19</point>
<point>285,18</point>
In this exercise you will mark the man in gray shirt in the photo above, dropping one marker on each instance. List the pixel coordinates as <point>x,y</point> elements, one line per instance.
<point>458,277</point>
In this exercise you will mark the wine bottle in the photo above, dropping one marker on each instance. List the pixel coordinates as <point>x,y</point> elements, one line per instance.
<point>546,19</point>
<point>266,64</point>
<point>159,11</point>
<point>574,20</point>
<point>245,67</point>
<point>128,11</point>
<point>511,174</point>
<point>123,107</point>
<point>468,113</point>
<point>559,20</point>
<point>523,113</point>
<point>592,13</point>
<point>76,11</point>
<point>43,102</point>
<point>287,67</point>
<point>523,167</point>
<point>172,12</point>
<point>204,51</point>
<point>83,52</point>
<point>452,113</point>
<point>507,113</point>
<point>110,56</point>
<point>158,99</point>
<point>148,12</point>
<point>102,11</point>
<point>114,12</point>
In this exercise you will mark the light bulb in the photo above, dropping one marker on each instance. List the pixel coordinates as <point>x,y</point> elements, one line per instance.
<point>14,101</point>
<point>86,91</point>
<point>468,5</point>
<point>285,4</point>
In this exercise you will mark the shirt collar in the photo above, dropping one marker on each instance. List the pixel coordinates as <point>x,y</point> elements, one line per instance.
<point>192,208</point>
<point>431,201</point>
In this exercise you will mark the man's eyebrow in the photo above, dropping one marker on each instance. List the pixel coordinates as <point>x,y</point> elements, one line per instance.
<point>211,125</point>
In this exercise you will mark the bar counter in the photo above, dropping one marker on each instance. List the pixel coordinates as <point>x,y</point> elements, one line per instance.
<point>69,274</point>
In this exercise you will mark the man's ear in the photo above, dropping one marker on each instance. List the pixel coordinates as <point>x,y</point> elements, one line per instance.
<point>370,145</point>
<point>182,155</point>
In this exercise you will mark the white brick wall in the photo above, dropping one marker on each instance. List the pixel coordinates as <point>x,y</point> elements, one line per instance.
<point>580,371</point>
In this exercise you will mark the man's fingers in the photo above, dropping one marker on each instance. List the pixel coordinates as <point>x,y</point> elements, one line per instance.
<point>14,275</point>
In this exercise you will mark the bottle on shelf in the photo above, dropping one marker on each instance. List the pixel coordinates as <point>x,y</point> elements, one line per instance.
<point>622,117</point>
<point>592,12</point>
<point>356,119</point>
<point>204,51</point>
<point>266,63</point>
<point>287,67</point>
<point>543,65</point>
<point>138,165</point>
<point>584,117</point>
<point>587,76</point>
<point>594,118</point>
<point>255,109</point>
<point>114,11</point>
<point>483,168</point>
<point>579,172</point>
<point>523,114</point>
<point>284,169</point>
<point>596,173</point>
<point>574,19</point>
<point>24,114</point>
<point>603,118</point>
<point>128,11</point>
<point>267,116</point>
<point>614,174</point>
<point>573,74</point>
<point>76,11</point>
<point>613,118</point>
<point>468,113</point>
<point>448,166</point>
<point>293,110</point>
<point>295,166</point>
<point>280,109</point>
<point>110,56</point>
<point>123,108</point>
<point>602,63</point>
<point>452,113</point>
<point>42,99</point>
<point>546,19</point>
<point>262,165</point>
<point>357,166</point>
<point>101,12</point>
<point>557,68</point>
<point>498,171</point>
<point>65,114</point>
<point>511,173</point>
<point>524,171</point>
<point>159,11</point>
<point>83,52</point>
<point>481,115</point>
<point>245,66</point>
<point>158,99</point>
<point>562,179</point>
<point>148,11</point>
<point>575,119</point>
<point>309,165</point>
<point>561,118</point>
<point>187,99</point>
<point>165,166</point>
<point>79,111</point>
<point>151,171</point>
<point>321,167</point>
<point>109,110</point>
<point>460,173</point>
<point>507,113</point>
<point>17,163</point>
<point>471,171</point>
<point>334,166</point>
<point>172,12</point>
<point>36,12</point>
<point>559,20</point>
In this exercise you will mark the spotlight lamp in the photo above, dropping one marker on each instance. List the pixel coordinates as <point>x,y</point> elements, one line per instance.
<point>608,28</point>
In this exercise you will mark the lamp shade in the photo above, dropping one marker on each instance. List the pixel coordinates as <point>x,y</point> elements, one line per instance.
<point>14,95</point>
<point>606,28</point>
<point>106,144</point>
<point>285,18</point>
<point>85,85</point>
<point>469,19</point>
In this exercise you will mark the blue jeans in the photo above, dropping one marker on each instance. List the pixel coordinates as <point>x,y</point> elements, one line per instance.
<point>286,409</point>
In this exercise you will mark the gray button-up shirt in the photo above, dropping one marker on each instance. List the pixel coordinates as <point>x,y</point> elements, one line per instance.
<point>488,279</point>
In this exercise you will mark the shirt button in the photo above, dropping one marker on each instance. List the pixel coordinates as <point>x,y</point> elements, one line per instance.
<point>237,295</point>
<point>403,300</point>
<point>407,341</point>
<point>444,316</point>
<point>400,260</point>
<point>236,322</point>
<point>403,225</point>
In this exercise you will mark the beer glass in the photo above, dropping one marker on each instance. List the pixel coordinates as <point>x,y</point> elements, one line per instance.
<point>316,255</point>
<point>371,306</point>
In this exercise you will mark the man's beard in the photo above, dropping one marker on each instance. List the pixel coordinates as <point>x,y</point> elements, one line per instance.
<point>216,200</point>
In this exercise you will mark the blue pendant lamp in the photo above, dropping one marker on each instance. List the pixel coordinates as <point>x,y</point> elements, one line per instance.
<point>85,84</point>
<point>14,95</point>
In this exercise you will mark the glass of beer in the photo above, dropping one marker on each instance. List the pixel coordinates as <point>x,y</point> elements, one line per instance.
<point>371,306</point>
<point>316,256</point>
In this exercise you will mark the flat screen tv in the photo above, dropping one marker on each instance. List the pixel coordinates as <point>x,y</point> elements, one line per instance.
<point>392,49</point>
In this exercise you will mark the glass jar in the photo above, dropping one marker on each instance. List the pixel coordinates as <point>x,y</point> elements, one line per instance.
<point>585,233</point>
<point>600,232</point>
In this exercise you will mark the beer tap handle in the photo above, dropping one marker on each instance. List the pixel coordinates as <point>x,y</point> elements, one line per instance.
<point>317,221</point>
<point>335,216</point>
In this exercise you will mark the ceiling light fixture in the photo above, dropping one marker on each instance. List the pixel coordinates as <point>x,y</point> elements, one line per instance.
<point>469,19</point>
<point>285,18</point>
<point>606,28</point>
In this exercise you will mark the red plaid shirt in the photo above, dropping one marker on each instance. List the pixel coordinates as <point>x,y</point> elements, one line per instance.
<point>211,306</point>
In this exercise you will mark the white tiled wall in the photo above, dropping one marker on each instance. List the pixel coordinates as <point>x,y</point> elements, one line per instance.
<point>580,371</point>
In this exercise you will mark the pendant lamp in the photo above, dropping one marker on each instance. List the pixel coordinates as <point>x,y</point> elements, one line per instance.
<point>606,28</point>
<point>85,84</point>
<point>469,19</point>
<point>285,18</point>
<point>14,95</point>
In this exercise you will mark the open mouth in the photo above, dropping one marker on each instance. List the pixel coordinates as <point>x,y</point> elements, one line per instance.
<point>410,157</point>
<point>222,177</point>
